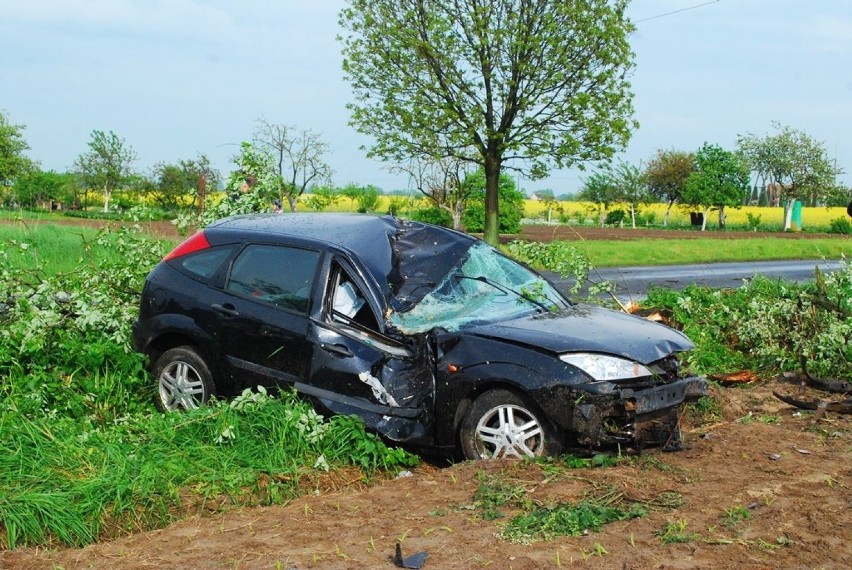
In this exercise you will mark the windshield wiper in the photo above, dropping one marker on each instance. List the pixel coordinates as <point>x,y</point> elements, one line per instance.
<point>504,289</point>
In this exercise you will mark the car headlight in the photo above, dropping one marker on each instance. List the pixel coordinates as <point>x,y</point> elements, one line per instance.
<point>603,367</point>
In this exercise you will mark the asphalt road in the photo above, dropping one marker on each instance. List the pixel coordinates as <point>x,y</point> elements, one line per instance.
<point>633,282</point>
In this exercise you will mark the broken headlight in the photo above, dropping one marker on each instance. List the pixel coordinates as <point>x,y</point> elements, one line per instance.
<point>603,368</point>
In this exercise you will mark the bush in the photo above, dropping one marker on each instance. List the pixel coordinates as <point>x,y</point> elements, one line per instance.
<point>473,218</point>
<point>840,226</point>
<point>433,215</point>
<point>614,217</point>
<point>767,324</point>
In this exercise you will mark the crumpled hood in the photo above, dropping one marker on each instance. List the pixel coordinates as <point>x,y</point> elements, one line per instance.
<point>589,328</point>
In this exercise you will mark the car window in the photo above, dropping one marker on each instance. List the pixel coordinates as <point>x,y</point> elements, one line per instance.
<point>279,275</point>
<point>349,312</point>
<point>348,303</point>
<point>206,263</point>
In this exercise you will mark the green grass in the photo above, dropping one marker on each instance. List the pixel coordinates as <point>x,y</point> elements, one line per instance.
<point>70,481</point>
<point>52,248</point>
<point>673,251</point>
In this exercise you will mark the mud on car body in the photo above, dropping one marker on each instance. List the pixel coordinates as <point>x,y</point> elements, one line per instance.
<point>435,339</point>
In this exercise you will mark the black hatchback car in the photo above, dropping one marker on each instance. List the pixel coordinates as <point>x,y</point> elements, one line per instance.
<point>434,338</point>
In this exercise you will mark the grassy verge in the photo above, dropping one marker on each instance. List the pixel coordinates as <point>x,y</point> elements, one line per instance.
<point>676,251</point>
<point>83,452</point>
<point>52,249</point>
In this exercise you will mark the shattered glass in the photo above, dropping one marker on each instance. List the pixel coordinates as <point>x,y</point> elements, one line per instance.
<point>486,287</point>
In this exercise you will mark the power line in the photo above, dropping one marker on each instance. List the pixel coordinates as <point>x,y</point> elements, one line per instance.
<point>675,11</point>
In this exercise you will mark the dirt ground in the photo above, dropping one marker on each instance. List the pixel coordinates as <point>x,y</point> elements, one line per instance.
<point>787,474</point>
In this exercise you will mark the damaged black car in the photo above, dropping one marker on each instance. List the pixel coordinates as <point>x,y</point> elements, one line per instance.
<point>435,339</point>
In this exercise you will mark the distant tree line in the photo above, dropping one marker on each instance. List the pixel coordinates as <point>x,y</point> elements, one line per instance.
<point>775,169</point>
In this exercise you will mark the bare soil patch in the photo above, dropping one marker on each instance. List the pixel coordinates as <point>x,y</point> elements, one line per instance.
<point>788,474</point>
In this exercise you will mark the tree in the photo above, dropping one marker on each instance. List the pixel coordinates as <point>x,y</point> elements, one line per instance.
<point>601,189</point>
<point>107,164</point>
<point>440,181</point>
<point>720,179</point>
<point>173,183</point>
<point>252,186</point>
<point>631,187</point>
<point>42,186</point>
<point>298,158</point>
<point>321,198</point>
<point>791,162</point>
<point>368,200</point>
<point>667,173</point>
<point>529,84</point>
<point>511,203</point>
<point>351,191</point>
<point>13,163</point>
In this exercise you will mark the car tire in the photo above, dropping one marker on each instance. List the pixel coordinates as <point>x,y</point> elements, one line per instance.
<point>501,424</point>
<point>183,380</point>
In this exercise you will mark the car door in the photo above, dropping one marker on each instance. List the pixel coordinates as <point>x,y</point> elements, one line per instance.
<point>358,369</point>
<point>263,315</point>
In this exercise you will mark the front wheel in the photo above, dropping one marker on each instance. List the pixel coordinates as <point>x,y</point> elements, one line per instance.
<point>500,424</point>
<point>183,380</point>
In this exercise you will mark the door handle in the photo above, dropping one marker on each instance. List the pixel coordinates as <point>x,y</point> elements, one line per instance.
<point>337,349</point>
<point>225,310</point>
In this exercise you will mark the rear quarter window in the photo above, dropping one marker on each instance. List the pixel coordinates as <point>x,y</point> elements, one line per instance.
<point>204,264</point>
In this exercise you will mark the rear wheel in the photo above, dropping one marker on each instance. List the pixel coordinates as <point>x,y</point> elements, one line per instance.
<point>501,424</point>
<point>183,380</point>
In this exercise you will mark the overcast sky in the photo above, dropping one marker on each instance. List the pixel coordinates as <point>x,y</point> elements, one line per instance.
<point>179,78</point>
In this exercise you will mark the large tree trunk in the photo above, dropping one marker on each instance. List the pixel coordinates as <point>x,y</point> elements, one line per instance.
<point>492,208</point>
<point>107,194</point>
<point>704,219</point>
<point>722,217</point>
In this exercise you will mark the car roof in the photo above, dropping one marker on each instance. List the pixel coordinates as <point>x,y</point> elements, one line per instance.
<point>407,259</point>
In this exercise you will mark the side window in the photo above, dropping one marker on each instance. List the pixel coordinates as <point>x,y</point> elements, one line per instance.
<point>348,304</point>
<point>205,264</point>
<point>279,275</point>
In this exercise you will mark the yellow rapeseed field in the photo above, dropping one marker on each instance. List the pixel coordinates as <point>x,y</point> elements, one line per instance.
<point>811,217</point>
<point>576,211</point>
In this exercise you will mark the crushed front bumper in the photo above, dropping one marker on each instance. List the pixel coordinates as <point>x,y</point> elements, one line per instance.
<point>635,419</point>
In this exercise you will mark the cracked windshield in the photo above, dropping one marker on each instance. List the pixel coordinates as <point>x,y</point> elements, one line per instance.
<point>487,287</point>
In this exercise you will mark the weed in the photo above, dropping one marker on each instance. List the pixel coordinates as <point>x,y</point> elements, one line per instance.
<point>444,528</point>
<point>339,553</point>
<point>599,550</point>
<point>544,523</point>
<point>735,515</point>
<point>705,411</point>
<point>675,532</point>
<point>494,492</point>
<point>746,419</point>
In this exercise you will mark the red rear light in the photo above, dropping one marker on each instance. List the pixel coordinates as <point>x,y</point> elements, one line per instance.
<point>196,243</point>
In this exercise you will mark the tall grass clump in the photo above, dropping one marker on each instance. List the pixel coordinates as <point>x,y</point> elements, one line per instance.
<point>83,452</point>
